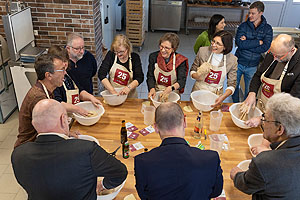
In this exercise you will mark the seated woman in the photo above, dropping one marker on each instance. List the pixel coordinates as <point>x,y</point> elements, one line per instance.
<point>212,64</point>
<point>123,66</point>
<point>70,93</point>
<point>216,24</point>
<point>167,69</point>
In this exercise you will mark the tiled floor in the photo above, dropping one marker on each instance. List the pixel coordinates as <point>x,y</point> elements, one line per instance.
<point>9,188</point>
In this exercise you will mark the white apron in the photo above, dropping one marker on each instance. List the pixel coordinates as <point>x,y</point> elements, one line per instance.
<point>214,80</point>
<point>45,90</point>
<point>165,79</point>
<point>269,87</point>
<point>119,76</point>
<point>72,95</point>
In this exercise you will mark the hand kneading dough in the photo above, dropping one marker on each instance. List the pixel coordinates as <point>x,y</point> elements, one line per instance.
<point>204,70</point>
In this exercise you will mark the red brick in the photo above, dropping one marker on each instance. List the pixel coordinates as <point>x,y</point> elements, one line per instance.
<point>86,7</point>
<point>55,15</point>
<point>71,16</point>
<point>46,19</point>
<point>80,12</point>
<point>57,33</point>
<point>86,16</point>
<point>63,39</point>
<point>71,7</point>
<point>65,29</point>
<point>82,30</point>
<point>56,24</point>
<point>80,21</point>
<point>49,10</point>
<point>37,5</point>
<point>73,25</point>
<point>80,2</point>
<point>51,5</point>
<point>39,24</point>
<point>62,1</point>
<point>64,20</point>
<point>38,14</point>
<point>44,1</point>
<point>43,33</point>
<point>62,11</point>
<point>87,26</point>
<point>51,37</point>
<point>48,28</point>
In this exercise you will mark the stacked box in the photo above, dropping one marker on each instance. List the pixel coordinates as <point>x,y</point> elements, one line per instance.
<point>135,22</point>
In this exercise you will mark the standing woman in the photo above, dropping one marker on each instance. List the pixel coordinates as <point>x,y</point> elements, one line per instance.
<point>167,69</point>
<point>123,66</point>
<point>216,24</point>
<point>212,64</point>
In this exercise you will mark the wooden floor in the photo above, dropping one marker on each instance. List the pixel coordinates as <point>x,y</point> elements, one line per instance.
<point>107,131</point>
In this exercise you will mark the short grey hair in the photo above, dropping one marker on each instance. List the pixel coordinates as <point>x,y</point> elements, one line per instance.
<point>73,36</point>
<point>286,109</point>
<point>168,116</point>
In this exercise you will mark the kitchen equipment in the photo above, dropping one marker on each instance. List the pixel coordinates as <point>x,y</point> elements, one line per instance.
<point>173,97</point>
<point>216,142</point>
<point>235,114</point>
<point>215,120</point>
<point>88,121</point>
<point>203,99</point>
<point>244,165</point>
<point>254,140</point>
<point>149,113</point>
<point>166,15</point>
<point>113,99</point>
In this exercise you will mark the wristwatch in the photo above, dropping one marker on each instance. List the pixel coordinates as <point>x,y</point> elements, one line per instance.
<point>129,87</point>
<point>173,88</point>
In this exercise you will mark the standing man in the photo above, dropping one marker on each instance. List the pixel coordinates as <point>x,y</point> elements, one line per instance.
<point>275,174</point>
<point>174,170</point>
<point>56,167</point>
<point>253,38</point>
<point>50,71</point>
<point>83,65</point>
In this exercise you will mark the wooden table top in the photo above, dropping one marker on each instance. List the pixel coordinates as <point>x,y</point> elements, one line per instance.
<point>107,131</point>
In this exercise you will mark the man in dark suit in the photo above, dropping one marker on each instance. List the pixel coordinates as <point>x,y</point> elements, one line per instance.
<point>174,170</point>
<point>55,167</point>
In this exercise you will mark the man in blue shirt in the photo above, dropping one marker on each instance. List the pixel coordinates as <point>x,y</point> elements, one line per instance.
<point>253,38</point>
<point>83,65</point>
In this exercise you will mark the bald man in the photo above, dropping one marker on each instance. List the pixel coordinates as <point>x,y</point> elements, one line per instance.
<point>56,167</point>
<point>174,170</point>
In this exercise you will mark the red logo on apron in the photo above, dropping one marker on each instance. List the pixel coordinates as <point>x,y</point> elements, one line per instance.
<point>121,77</point>
<point>164,80</point>
<point>213,77</point>
<point>267,89</point>
<point>75,98</point>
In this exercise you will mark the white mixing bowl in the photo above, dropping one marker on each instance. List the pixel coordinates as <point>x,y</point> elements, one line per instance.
<point>113,99</point>
<point>113,194</point>
<point>173,97</point>
<point>88,121</point>
<point>244,165</point>
<point>203,99</point>
<point>235,113</point>
<point>254,140</point>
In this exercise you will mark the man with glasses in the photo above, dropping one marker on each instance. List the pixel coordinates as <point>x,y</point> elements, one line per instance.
<point>253,38</point>
<point>50,71</point>
<point>275,174</point>
<point>83,65</point>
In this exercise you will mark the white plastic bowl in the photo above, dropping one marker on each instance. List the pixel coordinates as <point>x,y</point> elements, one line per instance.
<point>113,194</point>
<point>88,121</point>
<point>203,99</point>
<point>173,97</point>
<point>254,140</point>
<point>113,99</point>
<point>89,138</point>
<point>235,113</point>
<point>244,165</point>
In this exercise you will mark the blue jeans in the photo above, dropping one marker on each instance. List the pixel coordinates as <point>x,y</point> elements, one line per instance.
<point>248,73</point>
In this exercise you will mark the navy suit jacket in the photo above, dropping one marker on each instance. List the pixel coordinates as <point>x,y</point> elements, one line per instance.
<point>174,170</point>
<point>55,168</point>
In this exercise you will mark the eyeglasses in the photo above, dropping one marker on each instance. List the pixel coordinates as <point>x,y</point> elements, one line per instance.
<point>60,70</point>
<point>263,119</point>
<point>78,48</point>
<point>280,57</point>
<point>166,48</point>
<point>216,43</point>
<point>120,52</point>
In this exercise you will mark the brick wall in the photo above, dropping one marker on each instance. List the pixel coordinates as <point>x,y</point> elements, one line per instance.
<point>53,19</point>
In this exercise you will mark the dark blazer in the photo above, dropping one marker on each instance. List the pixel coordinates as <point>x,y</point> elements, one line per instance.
<point>273,174</point>
<point>53,168</point>
<point>174,170</point>
<point>291,80</point>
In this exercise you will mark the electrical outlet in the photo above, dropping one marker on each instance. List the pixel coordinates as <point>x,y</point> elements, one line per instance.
<point>36,32</point>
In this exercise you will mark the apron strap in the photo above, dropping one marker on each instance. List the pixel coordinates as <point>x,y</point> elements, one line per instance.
<point>209,59</point>
<point>45,90</point>
<point>174,60</point>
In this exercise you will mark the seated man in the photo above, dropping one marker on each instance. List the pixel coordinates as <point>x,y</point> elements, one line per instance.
<point>83,65</point>
<point>55,167</point>
<point>174,170</point>
<point>275,174</point>
<point>50,71</point>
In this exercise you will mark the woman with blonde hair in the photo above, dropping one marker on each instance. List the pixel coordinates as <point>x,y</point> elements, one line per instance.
<point>123,66</point>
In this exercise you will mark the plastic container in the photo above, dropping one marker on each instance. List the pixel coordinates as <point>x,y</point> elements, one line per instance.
<point>173,97</point>
<point>216,142</point>
<point>254,140</point>
<point>113,194</point>
<point>149,113</point>
<point>244,165</point>
<point>215,120</point>
<point>113,99</point>
<point>203,100</point>
<point>88,121</point>
<point>235,113</point>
